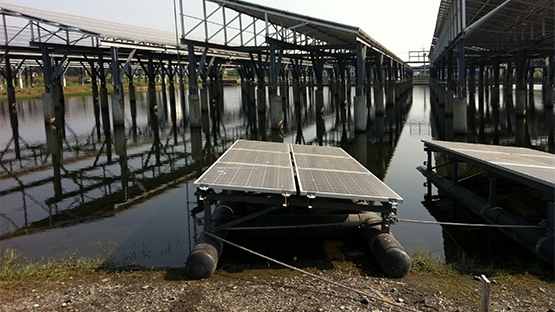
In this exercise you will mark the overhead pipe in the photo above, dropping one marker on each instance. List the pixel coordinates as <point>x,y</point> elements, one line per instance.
<point>469,30</point>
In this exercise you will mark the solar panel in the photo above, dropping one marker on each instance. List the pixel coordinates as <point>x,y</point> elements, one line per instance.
<point>252,166</point>
<point>331,172</point>
<point>269,167</point>
<point>523,162</point>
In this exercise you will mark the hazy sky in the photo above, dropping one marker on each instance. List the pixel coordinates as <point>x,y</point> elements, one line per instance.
<point>399,25</point>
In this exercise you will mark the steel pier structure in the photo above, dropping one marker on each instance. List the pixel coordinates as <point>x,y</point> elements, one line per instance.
<point>266,45</point>
<point>498,42</point>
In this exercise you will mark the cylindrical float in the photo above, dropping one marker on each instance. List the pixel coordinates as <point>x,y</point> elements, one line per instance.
<point>203,259</point>
<point>392,257</point>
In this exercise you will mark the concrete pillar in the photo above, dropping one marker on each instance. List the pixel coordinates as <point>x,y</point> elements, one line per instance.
<point>151,76</point>
<point>495,84</point>
<point>390,84</point>
<point>118,114</point>
<point>549,86</point>
<point>448,100</point>
<point>531,70</point>
<point>459,115</point>
<point>182,97</point>
<point>378,86</point>
<point>195,116</point>
<point>521,71</point>
<point>276,111</point>
<point>361,111</point>
<point>204,107</point>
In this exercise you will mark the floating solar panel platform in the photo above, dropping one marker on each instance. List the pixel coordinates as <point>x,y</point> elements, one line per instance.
<point>527,166</point>
<point>278,168</point>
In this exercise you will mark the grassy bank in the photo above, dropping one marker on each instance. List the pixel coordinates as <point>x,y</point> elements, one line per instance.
<point>14,268</point>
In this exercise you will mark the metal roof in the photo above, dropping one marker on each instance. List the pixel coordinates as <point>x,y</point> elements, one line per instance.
<point>522,24</point>
<point>330,32</point>
<point>104,30</point>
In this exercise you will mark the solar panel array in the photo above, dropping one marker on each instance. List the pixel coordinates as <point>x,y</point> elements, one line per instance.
<point>524,162</point>
<point>271,167</point>
<point>252,166</point>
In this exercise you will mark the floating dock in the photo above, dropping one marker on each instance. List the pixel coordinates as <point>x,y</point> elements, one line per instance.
<point>293,179</point>
<point>530,168</point>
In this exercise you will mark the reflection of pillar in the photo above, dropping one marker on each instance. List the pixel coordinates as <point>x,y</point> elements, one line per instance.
<point>54,146</point>
<point>173,107</point>
<point>481,97</point>
<point>520,131</point>
<point>153,116</point>
<point>320,129</point>
<point>132,103</point>
<point>96,100</point>
<point>104,109</point>
<point>361,148</point>
<point>121,151</point>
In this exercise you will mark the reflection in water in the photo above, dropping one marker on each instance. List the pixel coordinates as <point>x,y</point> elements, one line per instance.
<point>134,182</point>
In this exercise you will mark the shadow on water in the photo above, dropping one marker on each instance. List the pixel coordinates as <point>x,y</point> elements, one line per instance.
<point>127,193</point>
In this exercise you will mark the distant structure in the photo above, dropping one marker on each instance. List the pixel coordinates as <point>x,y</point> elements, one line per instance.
<point>486,39</point>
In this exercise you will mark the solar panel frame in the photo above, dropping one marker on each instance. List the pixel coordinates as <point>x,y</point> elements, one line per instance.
<point>522,163</point>
<point>333,173</point>
<point>279,168</point>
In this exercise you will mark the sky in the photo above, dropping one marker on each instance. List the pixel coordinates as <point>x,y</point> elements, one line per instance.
<point>399,25</point>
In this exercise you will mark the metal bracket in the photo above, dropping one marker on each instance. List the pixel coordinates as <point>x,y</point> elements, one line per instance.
<point>311,197</point>
<point>285,199</point>
<point>203,192</point>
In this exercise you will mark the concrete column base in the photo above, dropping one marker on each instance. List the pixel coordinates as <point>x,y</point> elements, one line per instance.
<point>194,111</point>
<point>459,116</point>
<point>276,112</point>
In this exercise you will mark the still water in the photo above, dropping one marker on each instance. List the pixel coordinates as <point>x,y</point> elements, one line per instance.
<point>65,191</point>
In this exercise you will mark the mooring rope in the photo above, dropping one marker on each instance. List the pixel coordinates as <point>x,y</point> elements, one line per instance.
<point>473,224</point>
<point>310,274</point>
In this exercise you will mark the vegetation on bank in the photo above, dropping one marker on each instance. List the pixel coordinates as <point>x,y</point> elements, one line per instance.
<point>15,269</point>
<point>75,88</point>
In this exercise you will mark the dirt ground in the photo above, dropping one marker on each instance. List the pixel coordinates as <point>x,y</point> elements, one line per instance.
<point>271,288</point>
